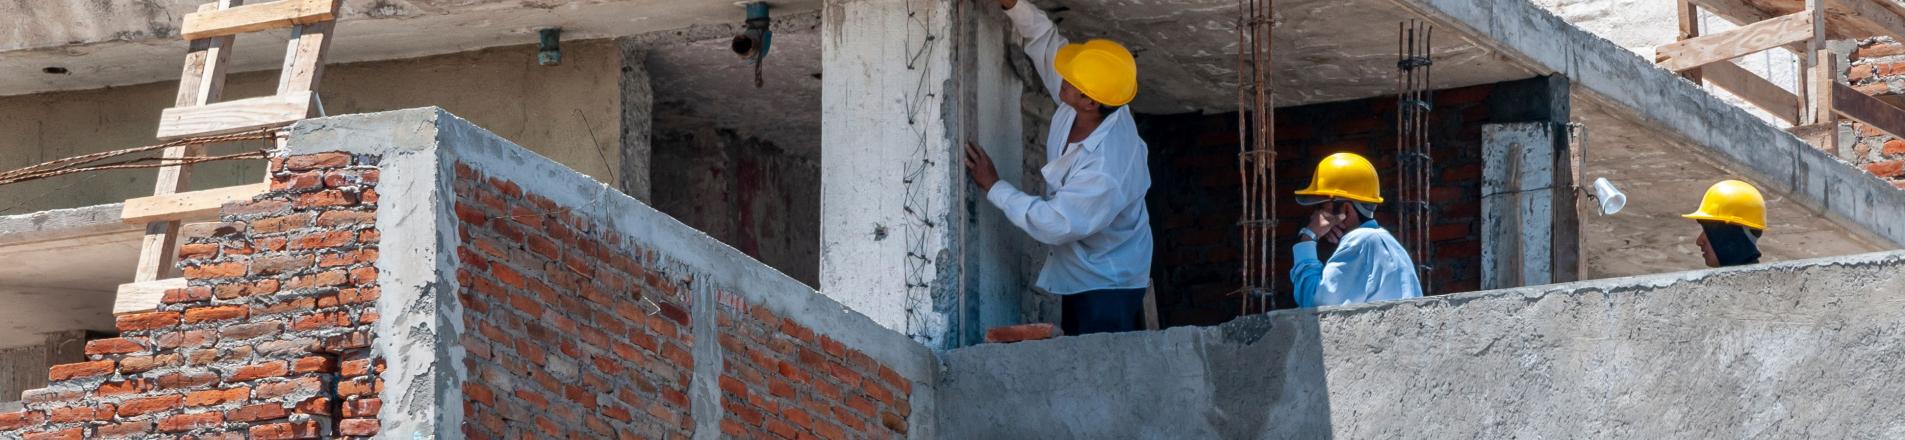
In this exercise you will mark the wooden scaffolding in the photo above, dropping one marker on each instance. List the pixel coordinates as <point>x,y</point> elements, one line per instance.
<point>1802,26</point>
<point>200,112</point>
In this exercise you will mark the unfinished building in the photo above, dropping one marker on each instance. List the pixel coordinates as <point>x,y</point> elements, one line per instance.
<point>627,223</point>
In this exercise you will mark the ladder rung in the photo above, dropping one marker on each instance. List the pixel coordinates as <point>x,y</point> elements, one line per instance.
<point>187,205</point>
<point>234,116</point>
<point>256,17</point>
<point>143,296</point>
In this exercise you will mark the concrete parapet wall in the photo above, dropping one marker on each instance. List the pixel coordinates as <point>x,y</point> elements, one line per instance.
<point>1789,350</point>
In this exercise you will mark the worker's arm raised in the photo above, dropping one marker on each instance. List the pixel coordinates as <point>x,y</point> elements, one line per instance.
<point>1041,41</point>
<point>1086,204</point>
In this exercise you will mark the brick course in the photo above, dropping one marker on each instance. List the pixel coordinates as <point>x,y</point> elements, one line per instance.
<point>214,359</point>
<point>565,314</point>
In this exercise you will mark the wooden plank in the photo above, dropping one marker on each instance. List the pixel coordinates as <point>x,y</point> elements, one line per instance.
<point>202,81</point>
<point>1754,89</point>
<point>1876,18</point>
<point>143,296</point>
<point>1868,110</point>
<point>1736,11</point>
<point>1689,17</point>
<point>304,57</point>
<point>258,17</point>
<point>1682,55</point>
<point>187,205</point>
<point>234,116</point>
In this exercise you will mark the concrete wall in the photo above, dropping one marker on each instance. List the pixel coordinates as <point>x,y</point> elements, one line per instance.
<point>759,195</point>
<point>571,112</point>
<point>1785,350</point>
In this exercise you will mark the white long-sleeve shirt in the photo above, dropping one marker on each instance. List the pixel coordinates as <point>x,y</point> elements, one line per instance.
<point>1093,216</point>
<point>1369,265</point>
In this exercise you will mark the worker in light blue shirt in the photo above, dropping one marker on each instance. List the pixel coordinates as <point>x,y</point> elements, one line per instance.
<point>1368,265</point>
<point>1093,216</point>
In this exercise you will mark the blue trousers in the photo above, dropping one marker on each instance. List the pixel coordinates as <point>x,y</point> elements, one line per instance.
<point>1103,311</point>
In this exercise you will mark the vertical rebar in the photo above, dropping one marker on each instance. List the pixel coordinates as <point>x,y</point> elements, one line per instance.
<point>1415,98</point>
<point>1256,155</point>
<point>1243,216</point>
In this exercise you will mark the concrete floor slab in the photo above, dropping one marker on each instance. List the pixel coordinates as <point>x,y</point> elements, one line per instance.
<point>59,270</point>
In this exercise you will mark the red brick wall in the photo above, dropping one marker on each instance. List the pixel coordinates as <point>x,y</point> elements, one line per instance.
<point>1875,66</point>
<point>1195,202</point>
<point>270,340</point>
<point>574,331</point>
<point>569,333</point>
<point>780,380</point>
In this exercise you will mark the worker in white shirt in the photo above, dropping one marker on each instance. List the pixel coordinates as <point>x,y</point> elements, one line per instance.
<point>1368,265</point>
<point>1093,216</point>
<point>1732,217</point>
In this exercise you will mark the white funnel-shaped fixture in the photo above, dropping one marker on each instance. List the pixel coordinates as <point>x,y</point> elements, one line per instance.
<point>1612,199</point>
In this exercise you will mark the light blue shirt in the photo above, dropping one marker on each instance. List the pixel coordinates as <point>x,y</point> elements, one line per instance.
<point>1369,265</point>
<point>1093,214</point>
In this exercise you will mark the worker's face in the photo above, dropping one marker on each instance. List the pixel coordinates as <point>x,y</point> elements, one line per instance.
<point>1706,250</point>
<point>1076,99</point>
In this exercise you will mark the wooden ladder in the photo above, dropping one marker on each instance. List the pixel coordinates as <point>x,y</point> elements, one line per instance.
<point>199,112</point>
<point>1802,26</point>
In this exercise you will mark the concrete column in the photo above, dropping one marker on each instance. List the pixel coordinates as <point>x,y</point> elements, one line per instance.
<point>638,120</point>
<point>905,239</point>
<point>1517,204</point>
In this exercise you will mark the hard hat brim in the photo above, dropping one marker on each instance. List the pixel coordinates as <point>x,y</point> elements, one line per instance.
<point>1338,194</point>
<point>1731,220</point>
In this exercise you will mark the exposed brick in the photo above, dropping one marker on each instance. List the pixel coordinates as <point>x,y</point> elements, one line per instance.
<point>283,223</point>
<point>1894,147</point>
<point>346,218</point>
<point>141,364</point>
<point>217,397</point>
<point>113,346</point>
<point>327,198</point>
<point>297,182</point>
<point>230,269</point>
<point>258,328</point>
<point>10,421</point>
<point>1889,168</point>
<point>188,422</point>
<point>1022,332</point>
<point>314,364</point>
<point>147,405</point>
<point>197,250</point>
<point>146,321</point>
<point>262,411</point>
<point>282,431</point>
<point>363,408</point>
<point>215,313</point>
<point>310,162</point>
<point>358,427</point>
<point>298,386</point>
<point>124,387</point>
<point>123,429</point>
<point>258,371</point>
<point>80,370</point>
<point>186,380</point>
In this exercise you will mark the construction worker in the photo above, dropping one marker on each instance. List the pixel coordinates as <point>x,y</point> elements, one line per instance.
<point>1368,265</point>
<point>1092,215</point>
<point>1732,217</point>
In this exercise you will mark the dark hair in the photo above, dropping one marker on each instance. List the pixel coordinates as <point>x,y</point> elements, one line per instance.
<point>1108,109</point>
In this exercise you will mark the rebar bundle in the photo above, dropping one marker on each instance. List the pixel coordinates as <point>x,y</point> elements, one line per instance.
<point>1256,155</point>
<point>1414,101</point>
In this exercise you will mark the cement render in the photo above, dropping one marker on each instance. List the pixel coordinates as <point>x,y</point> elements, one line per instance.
<point>1790,350</point>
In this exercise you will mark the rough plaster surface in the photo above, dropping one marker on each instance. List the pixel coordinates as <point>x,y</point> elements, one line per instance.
<point>1783,351</point>
<point>121,42</point>
<point>1517,204</point>
<point>418,146</point>
<point>570,112</point>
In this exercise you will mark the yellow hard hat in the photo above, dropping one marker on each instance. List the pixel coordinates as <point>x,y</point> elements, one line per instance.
<point>1733,202</point>
<point>1100,68</point>
<point>1347,176</point>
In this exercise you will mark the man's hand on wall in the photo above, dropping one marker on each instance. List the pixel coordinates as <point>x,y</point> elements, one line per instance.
<point>979,167</point>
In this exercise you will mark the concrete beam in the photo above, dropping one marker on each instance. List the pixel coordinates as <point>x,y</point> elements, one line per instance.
<point>1608,74</point>
<point>123,42</point>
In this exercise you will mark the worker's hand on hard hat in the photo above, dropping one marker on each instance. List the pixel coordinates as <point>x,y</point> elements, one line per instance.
<point>979,167</point>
